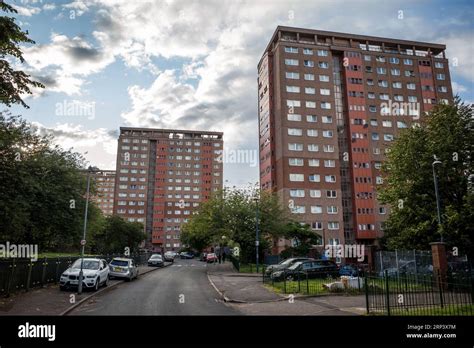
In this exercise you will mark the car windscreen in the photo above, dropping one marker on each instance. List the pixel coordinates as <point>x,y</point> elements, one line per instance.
<point>121,263</point>
<point>88,264</point>
<point>295,265</point>
<point>155,257</point>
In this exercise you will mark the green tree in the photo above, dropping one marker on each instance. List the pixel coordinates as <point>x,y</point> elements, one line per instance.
<point>232,213</point>
<point>41,189</point>
<point>447,133</point>
<point>13,83</point>
<point>116,234</point>
<point>302,238</point>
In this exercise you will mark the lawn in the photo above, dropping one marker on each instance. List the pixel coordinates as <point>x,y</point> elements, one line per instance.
<point>449,309</point>
<point>309,287</point>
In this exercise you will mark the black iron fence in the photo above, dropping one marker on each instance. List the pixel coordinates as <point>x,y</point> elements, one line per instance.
<point>419,294</point>
<point>313,283</point>
<point>24,274</point>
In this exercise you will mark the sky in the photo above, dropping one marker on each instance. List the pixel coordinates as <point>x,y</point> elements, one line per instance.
<point>193,64</point>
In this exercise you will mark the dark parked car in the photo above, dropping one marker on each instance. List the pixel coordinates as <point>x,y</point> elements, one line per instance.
<point>186,255</point>
<point>156,260</point>
<point>349,270</point>
<point>310,269</point>
<point>285,264</point>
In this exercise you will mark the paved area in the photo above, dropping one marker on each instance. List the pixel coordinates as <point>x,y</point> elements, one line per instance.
<point>181,289</point>
<point>47,301</point>
<point>248,295</point>
<point>239,286</point>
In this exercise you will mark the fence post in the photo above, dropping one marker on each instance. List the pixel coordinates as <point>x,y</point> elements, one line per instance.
<point>299,283</point>
<point>366,286</point>
<point>57,270</point>
<point>416,268</point>
<point>43,274</point>
<point>284,282</point>
<point>387,292</point>
<point>10,279</point>
<point>307,284</point>
<point>28,277</point>
<point>440,286</point>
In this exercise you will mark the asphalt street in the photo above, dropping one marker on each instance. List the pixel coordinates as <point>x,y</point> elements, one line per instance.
<point>180,289</point>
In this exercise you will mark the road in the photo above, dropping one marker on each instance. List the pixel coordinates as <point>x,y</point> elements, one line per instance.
<point>180,289</point>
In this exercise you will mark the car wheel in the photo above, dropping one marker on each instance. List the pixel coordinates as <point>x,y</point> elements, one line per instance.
<point>96,286</point>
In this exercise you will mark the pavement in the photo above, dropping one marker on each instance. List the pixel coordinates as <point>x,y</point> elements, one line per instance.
<point>247,294</point>
<point>49,300</point>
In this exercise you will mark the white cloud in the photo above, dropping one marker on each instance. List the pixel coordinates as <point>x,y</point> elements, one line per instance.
<point>49,7</point>
<point>460,50</point>
<point>100,144</point>
<point>458,88</point>
<point>26,11</point>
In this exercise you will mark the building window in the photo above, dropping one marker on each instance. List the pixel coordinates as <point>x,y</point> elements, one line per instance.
<point>316,209</point>
<point>323,53</point>
<point>292,75</point>
<point>295,131</point>
<point>313,148</point>
<point>295,162</point>
<point>309,77</point>
<point>315,193</point>
<point>329,163</point>
<point>293,62</point>
<point>330,178</point>
<point>325,105</point>
<point>291,49</point>
<point>310,90</point>
<point>292,89</point>
<point>327,119</point>
<point>308,51</point>
<point>314,178</point>
<point>297,177</point>
<point>295,147</point>
<point>309,63</point>
<point>294,117</point>
<point>313,162</point>
<point>323,78</point>
<point>296,193</point>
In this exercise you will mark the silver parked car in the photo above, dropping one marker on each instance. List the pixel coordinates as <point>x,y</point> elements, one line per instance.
<point>123,268</point>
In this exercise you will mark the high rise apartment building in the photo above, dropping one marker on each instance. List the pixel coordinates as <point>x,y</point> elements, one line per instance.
<point>163,175</point>
<point>330,105</point>
<point>105,185</point>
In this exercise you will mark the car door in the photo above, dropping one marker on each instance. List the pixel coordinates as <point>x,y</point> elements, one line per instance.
<point>133,269</point>
<point>104,271</point>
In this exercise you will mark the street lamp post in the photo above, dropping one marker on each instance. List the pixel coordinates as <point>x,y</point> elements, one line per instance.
<point>256,231</point>
<point>438,204</point>
<point>83,241</point>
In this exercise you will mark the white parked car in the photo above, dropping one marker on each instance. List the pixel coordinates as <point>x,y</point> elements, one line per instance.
<point>121,267</point>
<point>95,273</point>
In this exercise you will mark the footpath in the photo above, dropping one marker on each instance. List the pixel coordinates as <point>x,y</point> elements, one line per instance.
<point>247,293</point>
<point>49,300</point>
